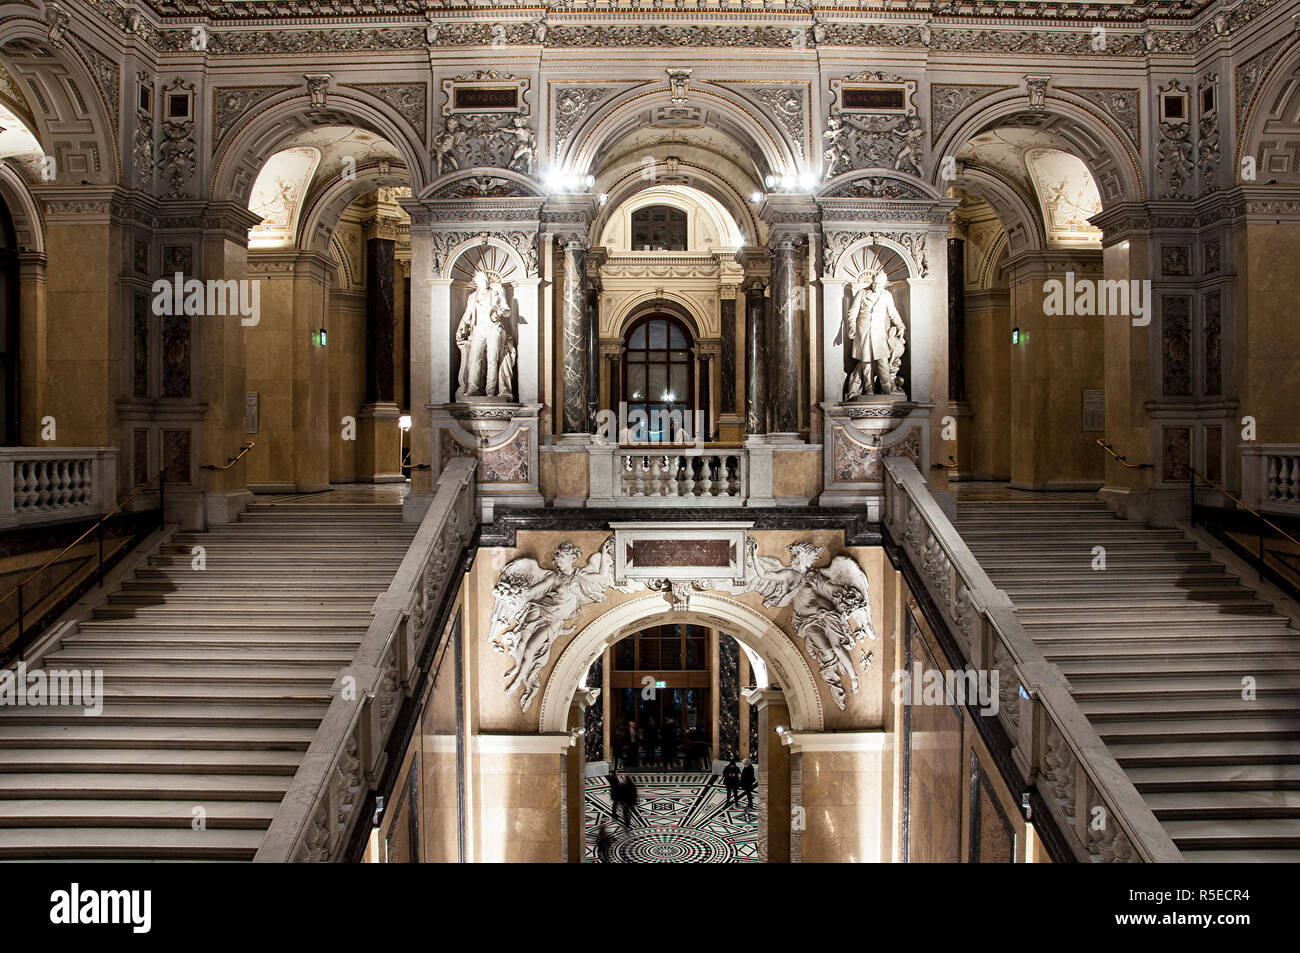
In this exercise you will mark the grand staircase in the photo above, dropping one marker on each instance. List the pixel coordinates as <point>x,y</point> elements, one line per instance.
<point>214,684</point>
<point>1156,647</point>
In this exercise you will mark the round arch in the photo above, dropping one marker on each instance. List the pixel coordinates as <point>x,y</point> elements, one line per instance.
<point>259,136</point>
<point>25,34</point>
<point>320,217</point>
<point>846,270</point>
<point>747,625</point>
<point>631,183</point>
<point>666,300</point>
<point>761,139</point>
<point>29,227</point>
<point>1268,102</point>
<point>1110,159</point>
<point>1021,218</point>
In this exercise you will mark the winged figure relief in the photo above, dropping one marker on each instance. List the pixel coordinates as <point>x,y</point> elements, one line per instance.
<point>831,609</point>
<point>532,604</point>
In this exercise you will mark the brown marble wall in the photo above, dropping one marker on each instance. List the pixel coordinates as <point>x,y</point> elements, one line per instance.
<point>846,796</point>
<point>988,387</point>
<point>518,808</point>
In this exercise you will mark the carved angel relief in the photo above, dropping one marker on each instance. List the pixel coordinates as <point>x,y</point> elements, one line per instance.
<point>831,609</point>
<point>532,604</point>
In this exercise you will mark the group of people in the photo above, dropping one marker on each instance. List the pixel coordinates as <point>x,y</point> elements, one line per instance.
<point>622,794</point>
<point>740,779</point>
<point>666,747</point>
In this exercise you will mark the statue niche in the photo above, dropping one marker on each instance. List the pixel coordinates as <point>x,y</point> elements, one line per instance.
<point>487,346</point>
<point>877,341</point>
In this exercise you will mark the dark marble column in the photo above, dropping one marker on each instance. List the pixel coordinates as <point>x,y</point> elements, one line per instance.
<point>755,358</point>
<point>704,423</point>
<point>956,319</point>
<point>380,321</point>
<point>785,343</point>
<point>406,344</point>
<point>615,381</point>
<point>576,318</point>
<point>727,396</point>
<point>593,366</point>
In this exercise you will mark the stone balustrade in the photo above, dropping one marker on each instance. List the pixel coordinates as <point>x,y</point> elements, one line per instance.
<point>53,484</point>
<point>1055,748</point>
<point>322,808</point>
<point>1270,476</point>
<point>692,476</point>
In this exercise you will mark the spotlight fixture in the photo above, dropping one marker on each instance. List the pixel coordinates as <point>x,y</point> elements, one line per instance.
<point>404,422</point>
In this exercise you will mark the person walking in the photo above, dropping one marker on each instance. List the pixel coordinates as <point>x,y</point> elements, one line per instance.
<point>627,799</point>
<point>748,781</point>
<point>614,788</point>
<point>669,742</point>
<point>604,839</point>
<point>731,778</point>
<point>632,741</point>
<point>651,742</point>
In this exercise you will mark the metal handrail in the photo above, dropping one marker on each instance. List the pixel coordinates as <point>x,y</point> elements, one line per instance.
<point>231,461</point>
<point>1120,459</point>
<point>1244,505</point>
<point>99,526</point>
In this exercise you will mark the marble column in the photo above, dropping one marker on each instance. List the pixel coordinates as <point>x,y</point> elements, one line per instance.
<point>785,346</point>
<point>380,321</point>
<point>727,395</point>
<point>593,366</point>
<point>755,358</point>
<point>704,422</point>
<point>378,437</point>
<point>956,319</point>
<point>576,320</point>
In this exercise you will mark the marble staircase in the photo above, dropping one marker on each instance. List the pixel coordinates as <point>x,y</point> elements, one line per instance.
<point>214,685</point>
<point>1156,647</point>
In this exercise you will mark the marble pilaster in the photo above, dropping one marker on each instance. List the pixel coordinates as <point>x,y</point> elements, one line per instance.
<point>784,348</point>
<point>576,318</point>
<point>755,358</point>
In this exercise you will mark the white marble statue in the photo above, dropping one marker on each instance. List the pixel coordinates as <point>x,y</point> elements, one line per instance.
<point>532,604</point>
<point>831,611</point>
<point>487,350</point>
<point>878,338</point>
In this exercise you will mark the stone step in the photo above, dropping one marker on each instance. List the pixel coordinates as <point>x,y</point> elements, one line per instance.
<point>255,639</point>
<point>203,628</point>
<point>225,615</point>
<point>1235,834</point>
<point>1104,612</point>
<point>1259,855</point>
<point>298,714</point>
<point>122,671</point>
<point>1099,709</point>
<point>1189,686</point>
<point>1177,752</point>
<point>260,602</point>
<point>1176,669</point>
<point>223,587</point>
<point>1217,777</point>
<point>1215,729</point>
<point>81,843</point>
<point>236,787</point>
<point>145,736</point>
<point>149,653</point>
<point>176,692</point>
<point>155,760</point>
<point>165,814</point>
<point>1062,596</point>
<point>1189,805</point>
<point>1177,628</point>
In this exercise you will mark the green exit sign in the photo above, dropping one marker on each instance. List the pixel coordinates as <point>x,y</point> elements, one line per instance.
<point>660,683</point>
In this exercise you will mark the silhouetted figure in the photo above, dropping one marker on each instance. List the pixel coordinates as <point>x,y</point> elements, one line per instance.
<point>669,743</point>
<point>627,799</point>
<point>630,746</point>
<point>614,781</point>
<point>651,742</point>
<point>731,778</point>
<point>748,780</point>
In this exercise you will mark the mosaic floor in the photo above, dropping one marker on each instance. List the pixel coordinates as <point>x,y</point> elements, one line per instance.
<point>679,818</point>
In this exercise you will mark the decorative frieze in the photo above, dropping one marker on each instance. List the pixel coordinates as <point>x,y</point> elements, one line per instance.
<point>232,103</point>
<point>408,99</point>
<point>1124,106</point>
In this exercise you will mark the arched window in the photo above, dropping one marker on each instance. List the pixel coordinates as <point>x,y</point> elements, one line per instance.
<point>8,330</point>
<point>659,228</point>
<point>659,374</point>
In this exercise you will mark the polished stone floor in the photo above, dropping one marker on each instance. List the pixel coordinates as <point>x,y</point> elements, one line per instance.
<point>989,491</point>
<point>679,818</point>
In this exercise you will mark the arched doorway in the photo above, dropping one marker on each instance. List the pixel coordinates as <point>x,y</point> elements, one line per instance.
<point>9,330</point>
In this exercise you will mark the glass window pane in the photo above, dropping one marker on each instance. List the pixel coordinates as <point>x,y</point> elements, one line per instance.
<point>670,654</point>
<point>680,382</point>
<point>677,338</point>
<point>624,655</point>
<point>649,653</point>
<point>637,339</point>
<point>658,381</point>
<point>658,335</point>
<point>635,381</point>
<point>695,653</point>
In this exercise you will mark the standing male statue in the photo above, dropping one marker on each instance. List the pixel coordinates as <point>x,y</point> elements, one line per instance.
<point>878,338</point>
<point>487,352</point>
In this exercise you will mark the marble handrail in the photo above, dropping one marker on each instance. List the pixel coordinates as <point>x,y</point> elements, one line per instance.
<point>347,757</point>
<point>690,475</point>
<point>1055,747</point>
<point>51,484</point>
<point>1271,477</point>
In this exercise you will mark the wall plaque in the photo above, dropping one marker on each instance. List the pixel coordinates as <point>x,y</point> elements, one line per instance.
<point>250,411</point>
<point>680,551</point>
<point>1094,410</point>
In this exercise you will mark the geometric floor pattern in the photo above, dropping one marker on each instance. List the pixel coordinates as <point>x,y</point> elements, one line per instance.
<point>680,818</point>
